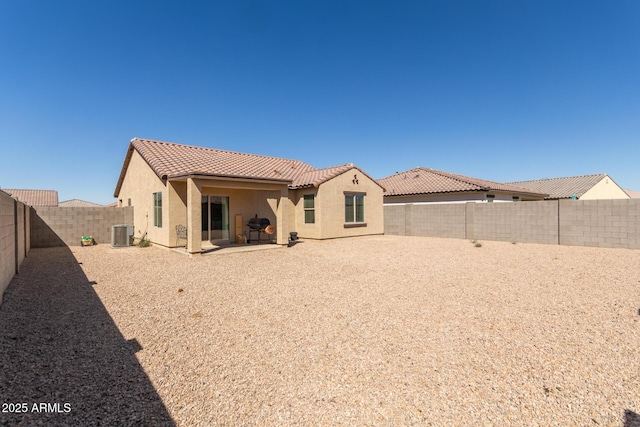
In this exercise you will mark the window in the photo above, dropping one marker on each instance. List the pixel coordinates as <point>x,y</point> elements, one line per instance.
<point>157,209</point>
<point>516,198</point>
<point>490,198</point>
<point>309,206</point>
<point>354,208</point>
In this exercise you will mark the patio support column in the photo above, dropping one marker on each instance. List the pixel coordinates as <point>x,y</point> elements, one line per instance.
<point>194,217</point>
<point>282,218</point>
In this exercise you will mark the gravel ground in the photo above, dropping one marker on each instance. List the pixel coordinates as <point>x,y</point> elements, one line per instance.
<point>382,330</point>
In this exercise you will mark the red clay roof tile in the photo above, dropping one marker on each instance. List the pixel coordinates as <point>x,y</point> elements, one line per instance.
<point>78,203</point>
<point>563,188</point>
<point>633,194</point>
<point>430,181</point>
<point>34,197</point>
<point>170,160</point>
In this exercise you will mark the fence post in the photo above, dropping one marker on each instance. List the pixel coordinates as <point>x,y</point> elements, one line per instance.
<point>408,219</point>
<point>469,220</point>
<point>558,221</point>
<point>24,229</point>
<point>15,234</point>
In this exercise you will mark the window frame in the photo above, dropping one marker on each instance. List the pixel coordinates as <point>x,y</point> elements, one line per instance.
<point>311,210</point>
<point>157,209</point>
<point>354,212</point>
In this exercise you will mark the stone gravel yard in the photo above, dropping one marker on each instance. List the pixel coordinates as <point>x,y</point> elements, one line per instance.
<point>380,330</point>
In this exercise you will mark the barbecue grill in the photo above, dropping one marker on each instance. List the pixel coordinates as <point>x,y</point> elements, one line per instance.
<point>260,226</point>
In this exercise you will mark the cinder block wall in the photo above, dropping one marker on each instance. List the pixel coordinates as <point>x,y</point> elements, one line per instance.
<point>602,223</point>
<point>531,222</point>
<point>436,220</point>
<point>56,226</point>
<point>427,220</point>
<point>14,242</point>
<point>394,216</point>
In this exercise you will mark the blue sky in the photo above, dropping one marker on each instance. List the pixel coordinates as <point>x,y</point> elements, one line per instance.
<point>500,90</point>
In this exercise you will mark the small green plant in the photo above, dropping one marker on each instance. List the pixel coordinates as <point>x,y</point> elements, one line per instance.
<point>478,245</point>
<point>144,243</point>
<point>514,242</point>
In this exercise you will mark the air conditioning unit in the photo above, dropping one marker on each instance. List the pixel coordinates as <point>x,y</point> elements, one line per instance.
<point>121,235</point>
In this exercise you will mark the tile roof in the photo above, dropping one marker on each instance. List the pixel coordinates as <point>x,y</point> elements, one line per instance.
<point>316,177</point>
<point>563,188</point>
<point>170,160</point>
<point>633,194</point>
<point>430,181</point>
<point>34,197</point>
<point>77,203</point>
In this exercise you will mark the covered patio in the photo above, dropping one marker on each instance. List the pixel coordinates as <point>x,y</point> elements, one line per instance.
<point>218,209</point>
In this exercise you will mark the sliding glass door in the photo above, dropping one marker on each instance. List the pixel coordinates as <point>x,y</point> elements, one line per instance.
<point>215,219</point>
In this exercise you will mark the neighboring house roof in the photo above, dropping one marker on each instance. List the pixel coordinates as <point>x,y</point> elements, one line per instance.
<point>173,161</point>
<point>34,197</point>
<point>77,203</point>
<point>563,188</point>
<point>430,181</point>
<point>633,194</point>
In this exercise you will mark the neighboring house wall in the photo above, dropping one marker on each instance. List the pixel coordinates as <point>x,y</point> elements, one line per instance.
<point>14,238</point>
<point>476,196</point>
<point>605,189</point>
<point>55,226</point>
<point>601,223</point>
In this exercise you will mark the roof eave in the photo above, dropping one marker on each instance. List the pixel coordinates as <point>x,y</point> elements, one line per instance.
<point>123,170</point>
<point>205,176</point>
<point>435,192</point>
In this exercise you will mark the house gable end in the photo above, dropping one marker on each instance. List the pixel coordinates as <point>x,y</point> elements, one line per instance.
<point>606,188</point>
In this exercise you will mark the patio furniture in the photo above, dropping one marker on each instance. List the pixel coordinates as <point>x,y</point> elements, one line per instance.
<point>181,233</point>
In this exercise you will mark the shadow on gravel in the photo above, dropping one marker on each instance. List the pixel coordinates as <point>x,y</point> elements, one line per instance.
<point>631,419</point>
<point>63,360</point>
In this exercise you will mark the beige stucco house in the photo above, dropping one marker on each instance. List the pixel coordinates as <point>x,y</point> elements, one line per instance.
<point>425,185</point>
<point>215,192</point>
<point>584,187</point>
